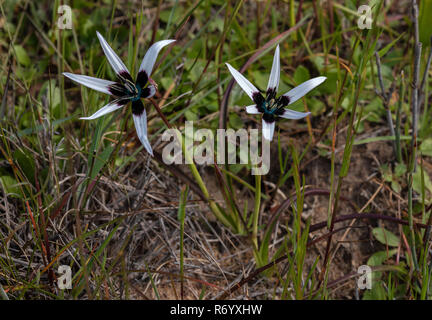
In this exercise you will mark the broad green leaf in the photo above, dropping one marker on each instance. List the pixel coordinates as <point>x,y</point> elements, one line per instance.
<point>386,237</point>
<point>235,121</point>
<point>426,147</point>
<point>400,169</point>
<point>376,293</point>
<point>379,257</point>
<point>259,78</point>
<point>396,186</point>
<point>417,181</point>
<point>22,56</point>
<point>10,185</point>
<point>301,75</point>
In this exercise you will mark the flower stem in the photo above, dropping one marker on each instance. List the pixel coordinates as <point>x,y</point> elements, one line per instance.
<point>256,211</point>
<point>188,158</point>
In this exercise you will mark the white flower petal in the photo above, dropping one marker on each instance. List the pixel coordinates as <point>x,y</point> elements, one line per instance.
<point>141,129</point>
<point>244,83</point>
<point>110,107</point>
<point>301,90</point>
<point>273,82</point>
<point>294,115</point>
<point>252,109</point>
<point>90,82</point>
<point>152,91</point>
<point>268,129</point>
<point>151,55</point>
<point>115,62</point>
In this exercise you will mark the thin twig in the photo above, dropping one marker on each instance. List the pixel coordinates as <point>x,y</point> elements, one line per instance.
<point>398,119</point>
<point>159,111</point>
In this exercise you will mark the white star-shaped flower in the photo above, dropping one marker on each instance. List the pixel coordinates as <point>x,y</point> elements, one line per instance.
<point>125,89</point>
<point>270,106</point>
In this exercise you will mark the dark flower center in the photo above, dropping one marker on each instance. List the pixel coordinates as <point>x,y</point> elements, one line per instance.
<point>136,93</point>
<point>270,106</point>
<point>129,90</point>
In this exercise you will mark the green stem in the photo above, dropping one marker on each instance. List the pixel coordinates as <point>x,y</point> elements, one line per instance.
<point>255,217</point>
<point>189,159</point>
<point>213,206</point>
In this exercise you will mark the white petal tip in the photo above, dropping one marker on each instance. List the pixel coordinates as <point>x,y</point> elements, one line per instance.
<point>252,109</point>
<point>244,83</point>
<point>268,129</point>
<point>164,43</point>
<point>100,37</point>
<point>267,136</point>
<point>147,147</point>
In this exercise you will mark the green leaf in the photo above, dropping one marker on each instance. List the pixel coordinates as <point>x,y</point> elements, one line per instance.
<point>316,106</point>
<point>425,16</point>
<point>380,138</point>
<point>259,79</point>
<point>384,50</point>
<point>426,147</point>
<point>396,186</point>
<point>301,75</point>
<point>25,163</point>
<point>191,115</point>
<point>101,160</point>
<point>22,56</point>
<point>386,237</point>
<point>235,168</point>
<point>400,169</point>
<point>417,181</point>
<point>386,173</point>
<point>376,293</point>
<point>235,121</point>
<point>10,185</point>
<point>378,258</point>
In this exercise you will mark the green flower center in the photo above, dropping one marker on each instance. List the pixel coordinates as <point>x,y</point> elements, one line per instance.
<point>137,94</point>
